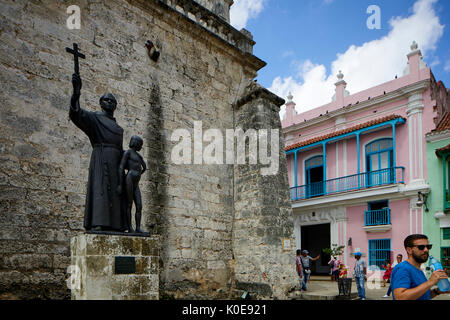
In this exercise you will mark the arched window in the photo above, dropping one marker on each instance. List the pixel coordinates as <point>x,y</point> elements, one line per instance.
<point>314,176</point>
<point>316,161</point>
<point>379,160</point>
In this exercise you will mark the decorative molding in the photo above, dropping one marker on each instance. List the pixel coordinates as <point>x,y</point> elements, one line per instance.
<point>212,22</point>
<point>392,96</point>
<point>255,91</point>
<point>322,215</point>
<point>415,103</point>
<point>398,191</point>
<point>437,136</point>
<point>378,229</point>
<point>444,220</point>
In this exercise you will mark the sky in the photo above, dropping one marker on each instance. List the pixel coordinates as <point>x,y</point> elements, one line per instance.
<point>307,42</point>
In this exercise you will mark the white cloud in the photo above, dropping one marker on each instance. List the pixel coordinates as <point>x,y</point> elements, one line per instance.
<point>364,66</point>
<point>447,66</point>
<point>435,63</point>
<point>288,53</point>
<point>243,10</point>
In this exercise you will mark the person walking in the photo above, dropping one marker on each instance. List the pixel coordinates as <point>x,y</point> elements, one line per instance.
<point>298,264</point>
<point>408,281</point>
<point>306,266</point>
<point>334,265</point>
<point>360,272</point>
<point>387,273</point>
<point>397,261</point>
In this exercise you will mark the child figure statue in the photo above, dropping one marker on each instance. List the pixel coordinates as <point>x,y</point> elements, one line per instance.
<point>134,163</point>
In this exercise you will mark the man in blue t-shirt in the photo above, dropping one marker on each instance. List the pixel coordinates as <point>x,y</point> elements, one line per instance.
<point>407,280</point>
<point>360,272</point>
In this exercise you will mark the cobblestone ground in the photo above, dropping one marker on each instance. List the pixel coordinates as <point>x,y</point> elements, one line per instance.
<point>322,288</point>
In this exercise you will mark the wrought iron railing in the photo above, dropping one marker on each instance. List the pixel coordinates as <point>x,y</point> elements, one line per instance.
<point>353,182</point>
<point>377,217</point>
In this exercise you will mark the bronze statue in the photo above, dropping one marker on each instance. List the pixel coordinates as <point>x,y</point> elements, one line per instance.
<point>105,209</point>
<point>133,162</point>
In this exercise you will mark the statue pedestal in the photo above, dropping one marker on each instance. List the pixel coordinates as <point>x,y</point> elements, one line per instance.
<point>114,267</point>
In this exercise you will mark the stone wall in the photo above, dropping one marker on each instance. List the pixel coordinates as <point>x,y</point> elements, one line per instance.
<point>44,158</point>
<point>263,212</point>
<point>441,95</point>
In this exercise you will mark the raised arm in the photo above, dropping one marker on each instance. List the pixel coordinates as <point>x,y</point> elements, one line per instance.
<point>417,292</point>
<point>75,99</point>
<point>81,118</point>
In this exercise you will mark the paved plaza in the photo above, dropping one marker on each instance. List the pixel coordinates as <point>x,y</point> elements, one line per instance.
<point>322,288</point>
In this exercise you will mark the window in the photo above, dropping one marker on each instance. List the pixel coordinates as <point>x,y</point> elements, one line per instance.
<point>379,156</point>
<point>445,259</point>
<point>379,252</point>
<point>314,162</point>
<point>314,176</point>
<point>378,213</point>
<point>378,205</point>
<point>446,233</point>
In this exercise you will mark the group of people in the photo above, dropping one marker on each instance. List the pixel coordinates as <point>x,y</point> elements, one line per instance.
<point>406,279</point>
<point>338,269</point>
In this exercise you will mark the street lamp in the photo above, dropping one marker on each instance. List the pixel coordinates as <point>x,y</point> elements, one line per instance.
<point>422,200</point>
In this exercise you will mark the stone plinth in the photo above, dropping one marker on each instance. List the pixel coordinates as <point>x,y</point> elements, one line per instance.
<point>94,275</point>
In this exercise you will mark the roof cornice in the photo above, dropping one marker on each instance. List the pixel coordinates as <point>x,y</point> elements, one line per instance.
<point>397,94</point>
<point>437,136</point>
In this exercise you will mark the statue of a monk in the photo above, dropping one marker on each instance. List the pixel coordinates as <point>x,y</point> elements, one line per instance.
<point>105,208</point>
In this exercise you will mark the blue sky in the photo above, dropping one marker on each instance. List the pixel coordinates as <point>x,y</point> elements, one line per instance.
<point>301,39</point>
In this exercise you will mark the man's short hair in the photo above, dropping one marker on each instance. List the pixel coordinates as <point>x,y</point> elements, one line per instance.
<point>400,255</point>
<point>299,251</point>
<point>409,240</point>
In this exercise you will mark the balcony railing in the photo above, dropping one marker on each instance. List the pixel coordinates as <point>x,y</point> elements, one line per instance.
<point>377,217</point>
<point>353,182</point>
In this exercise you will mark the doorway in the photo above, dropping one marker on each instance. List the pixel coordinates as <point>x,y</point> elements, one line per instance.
<point>314,238</point>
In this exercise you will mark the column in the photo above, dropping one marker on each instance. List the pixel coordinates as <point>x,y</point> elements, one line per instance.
<point>394,153</point>
<point>415,137</point>
<point>324,168</point>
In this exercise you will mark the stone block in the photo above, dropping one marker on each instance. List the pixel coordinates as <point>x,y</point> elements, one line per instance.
<point>93,259</point>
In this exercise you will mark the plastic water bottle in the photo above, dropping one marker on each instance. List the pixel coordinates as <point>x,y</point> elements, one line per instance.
<point>443,284</point>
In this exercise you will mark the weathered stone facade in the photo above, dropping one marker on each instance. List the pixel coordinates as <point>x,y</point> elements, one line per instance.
<point>204,66</point>
<point>263,212</point>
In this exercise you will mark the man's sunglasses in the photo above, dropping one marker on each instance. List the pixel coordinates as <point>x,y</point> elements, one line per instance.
<point>423,246</point>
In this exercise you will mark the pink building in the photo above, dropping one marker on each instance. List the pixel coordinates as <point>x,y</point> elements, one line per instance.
<point>357,164</point>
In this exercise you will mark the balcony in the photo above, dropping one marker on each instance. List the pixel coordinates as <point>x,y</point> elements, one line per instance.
<point>377,220</point>
<point>353,182</point>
